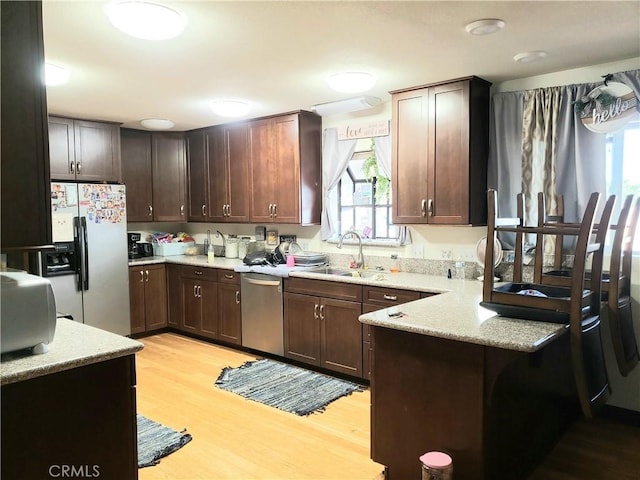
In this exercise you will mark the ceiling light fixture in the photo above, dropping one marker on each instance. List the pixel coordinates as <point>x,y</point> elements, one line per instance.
<point>55,74</point>
<point>146,20</point>
<point>157,123</point>
<point>486,26</point>
<point>231,108</point>
<point>351,82</point>
<point>528,57</point>
<point>345,106</point>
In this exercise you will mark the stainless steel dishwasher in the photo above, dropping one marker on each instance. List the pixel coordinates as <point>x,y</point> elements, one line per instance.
<point>262,319</point>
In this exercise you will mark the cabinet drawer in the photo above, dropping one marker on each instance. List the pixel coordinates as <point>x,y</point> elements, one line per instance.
<point>388,297</point>
<point>324,288</point>
<point>228,276</point>
<point>204,273</point>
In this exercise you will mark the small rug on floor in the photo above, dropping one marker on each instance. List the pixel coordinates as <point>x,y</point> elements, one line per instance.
<point>156,441</point>
<point>289,388</point>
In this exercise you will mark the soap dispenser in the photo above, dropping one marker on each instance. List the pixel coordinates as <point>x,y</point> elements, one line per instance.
<point>210,254</point>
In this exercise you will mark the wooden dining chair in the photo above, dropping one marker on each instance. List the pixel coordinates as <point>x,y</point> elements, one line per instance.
<point>575,305</point>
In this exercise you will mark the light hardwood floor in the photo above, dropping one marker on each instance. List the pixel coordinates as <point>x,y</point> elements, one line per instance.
<point>234,438</point>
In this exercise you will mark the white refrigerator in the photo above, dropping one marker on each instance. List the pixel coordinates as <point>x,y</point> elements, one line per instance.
<point>91,219</point>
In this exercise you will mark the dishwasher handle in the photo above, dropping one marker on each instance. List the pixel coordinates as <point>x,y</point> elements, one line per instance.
<point>268,283</point>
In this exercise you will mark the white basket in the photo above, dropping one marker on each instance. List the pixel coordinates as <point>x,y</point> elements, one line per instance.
<point>169,249</point>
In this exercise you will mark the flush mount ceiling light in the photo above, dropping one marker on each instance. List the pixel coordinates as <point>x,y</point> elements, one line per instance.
<point>157,123</point>
<point>486,26</point>
<point>146,20</point>
<point>230,108</point>
<point>345,106</point>
<point>55,74</point>
<point>351,82</point>
<point>528,57</point>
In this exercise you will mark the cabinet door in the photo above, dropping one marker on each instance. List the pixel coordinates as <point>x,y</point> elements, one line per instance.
<point>285,177</point>
<point>137,174</point>
<point>155,294</point>
<point>61,148</point>
<point>229,313</point>
<point>449,153</point>
<point>191,305</point>
<point>197,175</point>
<point>136,299</point>
<point>263,169</point>
<point>97,151</point>
<point>209,299</point>
<point>169,182</point>
<point>174,295</point>
<point>237,172</point>
<point>341,339</point>
<point>409,156</point>
<point>302,328</point>
<point>217,175</point>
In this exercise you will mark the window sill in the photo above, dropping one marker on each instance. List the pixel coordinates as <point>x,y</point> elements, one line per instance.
<point>368,242</point>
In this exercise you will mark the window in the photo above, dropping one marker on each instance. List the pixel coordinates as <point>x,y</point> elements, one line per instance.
<point>623,169</point>
<point>364,199</point>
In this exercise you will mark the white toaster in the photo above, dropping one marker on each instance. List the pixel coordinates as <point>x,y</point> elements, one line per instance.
<point>28,310</point>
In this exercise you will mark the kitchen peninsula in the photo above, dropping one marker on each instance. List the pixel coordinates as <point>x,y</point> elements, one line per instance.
<point>74,406</point>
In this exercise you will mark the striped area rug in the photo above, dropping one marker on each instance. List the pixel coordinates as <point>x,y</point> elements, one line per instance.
<point>156,441</point>
<point>286,387</point>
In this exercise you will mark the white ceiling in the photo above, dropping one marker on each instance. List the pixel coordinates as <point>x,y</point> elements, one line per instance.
<point>277,54</point>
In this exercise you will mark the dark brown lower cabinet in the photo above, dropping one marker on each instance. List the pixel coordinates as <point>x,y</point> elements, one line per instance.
<point>229,309</point>
<point>83,418</point>
<point>324,332</point>
<point>147,298</point>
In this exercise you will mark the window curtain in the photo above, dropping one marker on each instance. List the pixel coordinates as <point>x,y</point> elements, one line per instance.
<point>538,143</point>
<point>335,158</point>
<point>382,149</point>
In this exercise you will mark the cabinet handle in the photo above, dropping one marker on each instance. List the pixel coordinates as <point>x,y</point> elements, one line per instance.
<point>182,210</point>
<point>321,312</point>
<point>146,276</point>
<point>72,167</point>
<point>228,209</point>
<point>390,297</point>
<point>198,272</point>
<point>195,291</point>
<point>141,276</point>
<point>423,207</point>
<point>271,209</point>
<point>78,167</point>
<point>430,207</point>
<point>275,209</point>
<point>199,291</point>
<point>204,210</point>
<point>315,311</point>
<point>229,276</point>
<point>237,297</point>
<point>150,210</point>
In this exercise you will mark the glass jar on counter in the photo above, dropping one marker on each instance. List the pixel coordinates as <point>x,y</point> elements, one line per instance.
<point>231,249</point>
<point>243,245</point>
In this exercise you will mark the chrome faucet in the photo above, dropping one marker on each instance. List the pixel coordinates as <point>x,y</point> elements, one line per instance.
<point>224,242</point>
<point>360,259</point>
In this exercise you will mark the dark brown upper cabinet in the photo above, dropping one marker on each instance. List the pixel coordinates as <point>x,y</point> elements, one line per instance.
<point>84,150</point>
<point>137,174</point>
<point>440,140</point>
<point>26,191</point>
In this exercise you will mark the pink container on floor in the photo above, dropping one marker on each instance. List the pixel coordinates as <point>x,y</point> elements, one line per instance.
<point>436,466</point>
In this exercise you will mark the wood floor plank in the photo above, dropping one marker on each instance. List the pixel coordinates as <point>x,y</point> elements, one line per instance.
<point>235,438</point>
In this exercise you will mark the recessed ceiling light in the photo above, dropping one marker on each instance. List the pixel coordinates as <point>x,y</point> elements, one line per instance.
<point>157,123</point>
<point>486,26</point>
<point>351,82</point>
<point>150,21</point>
<point>55,74</point>
<point>528,57</point>
<point>231,108</point>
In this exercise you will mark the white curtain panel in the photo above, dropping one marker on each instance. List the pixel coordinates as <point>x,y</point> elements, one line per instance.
<point>335,158</point>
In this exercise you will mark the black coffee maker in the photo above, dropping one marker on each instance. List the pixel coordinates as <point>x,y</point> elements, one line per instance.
<point>134,251</point>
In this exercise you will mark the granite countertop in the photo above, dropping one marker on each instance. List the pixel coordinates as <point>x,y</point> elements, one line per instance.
<point>74,345</point>
<point>455,313</point>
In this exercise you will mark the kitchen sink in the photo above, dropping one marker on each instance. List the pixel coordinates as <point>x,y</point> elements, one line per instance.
<point>345,272</point>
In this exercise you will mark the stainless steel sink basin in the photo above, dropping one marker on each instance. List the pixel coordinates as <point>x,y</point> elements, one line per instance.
<point>345,272</point>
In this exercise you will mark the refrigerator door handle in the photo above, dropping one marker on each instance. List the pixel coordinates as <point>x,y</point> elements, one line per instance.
<point>85,257</point>
<point>79,253</point>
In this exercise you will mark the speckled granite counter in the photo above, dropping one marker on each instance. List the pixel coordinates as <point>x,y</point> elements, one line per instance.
<point>74,345</point>
<point>454,314</point>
